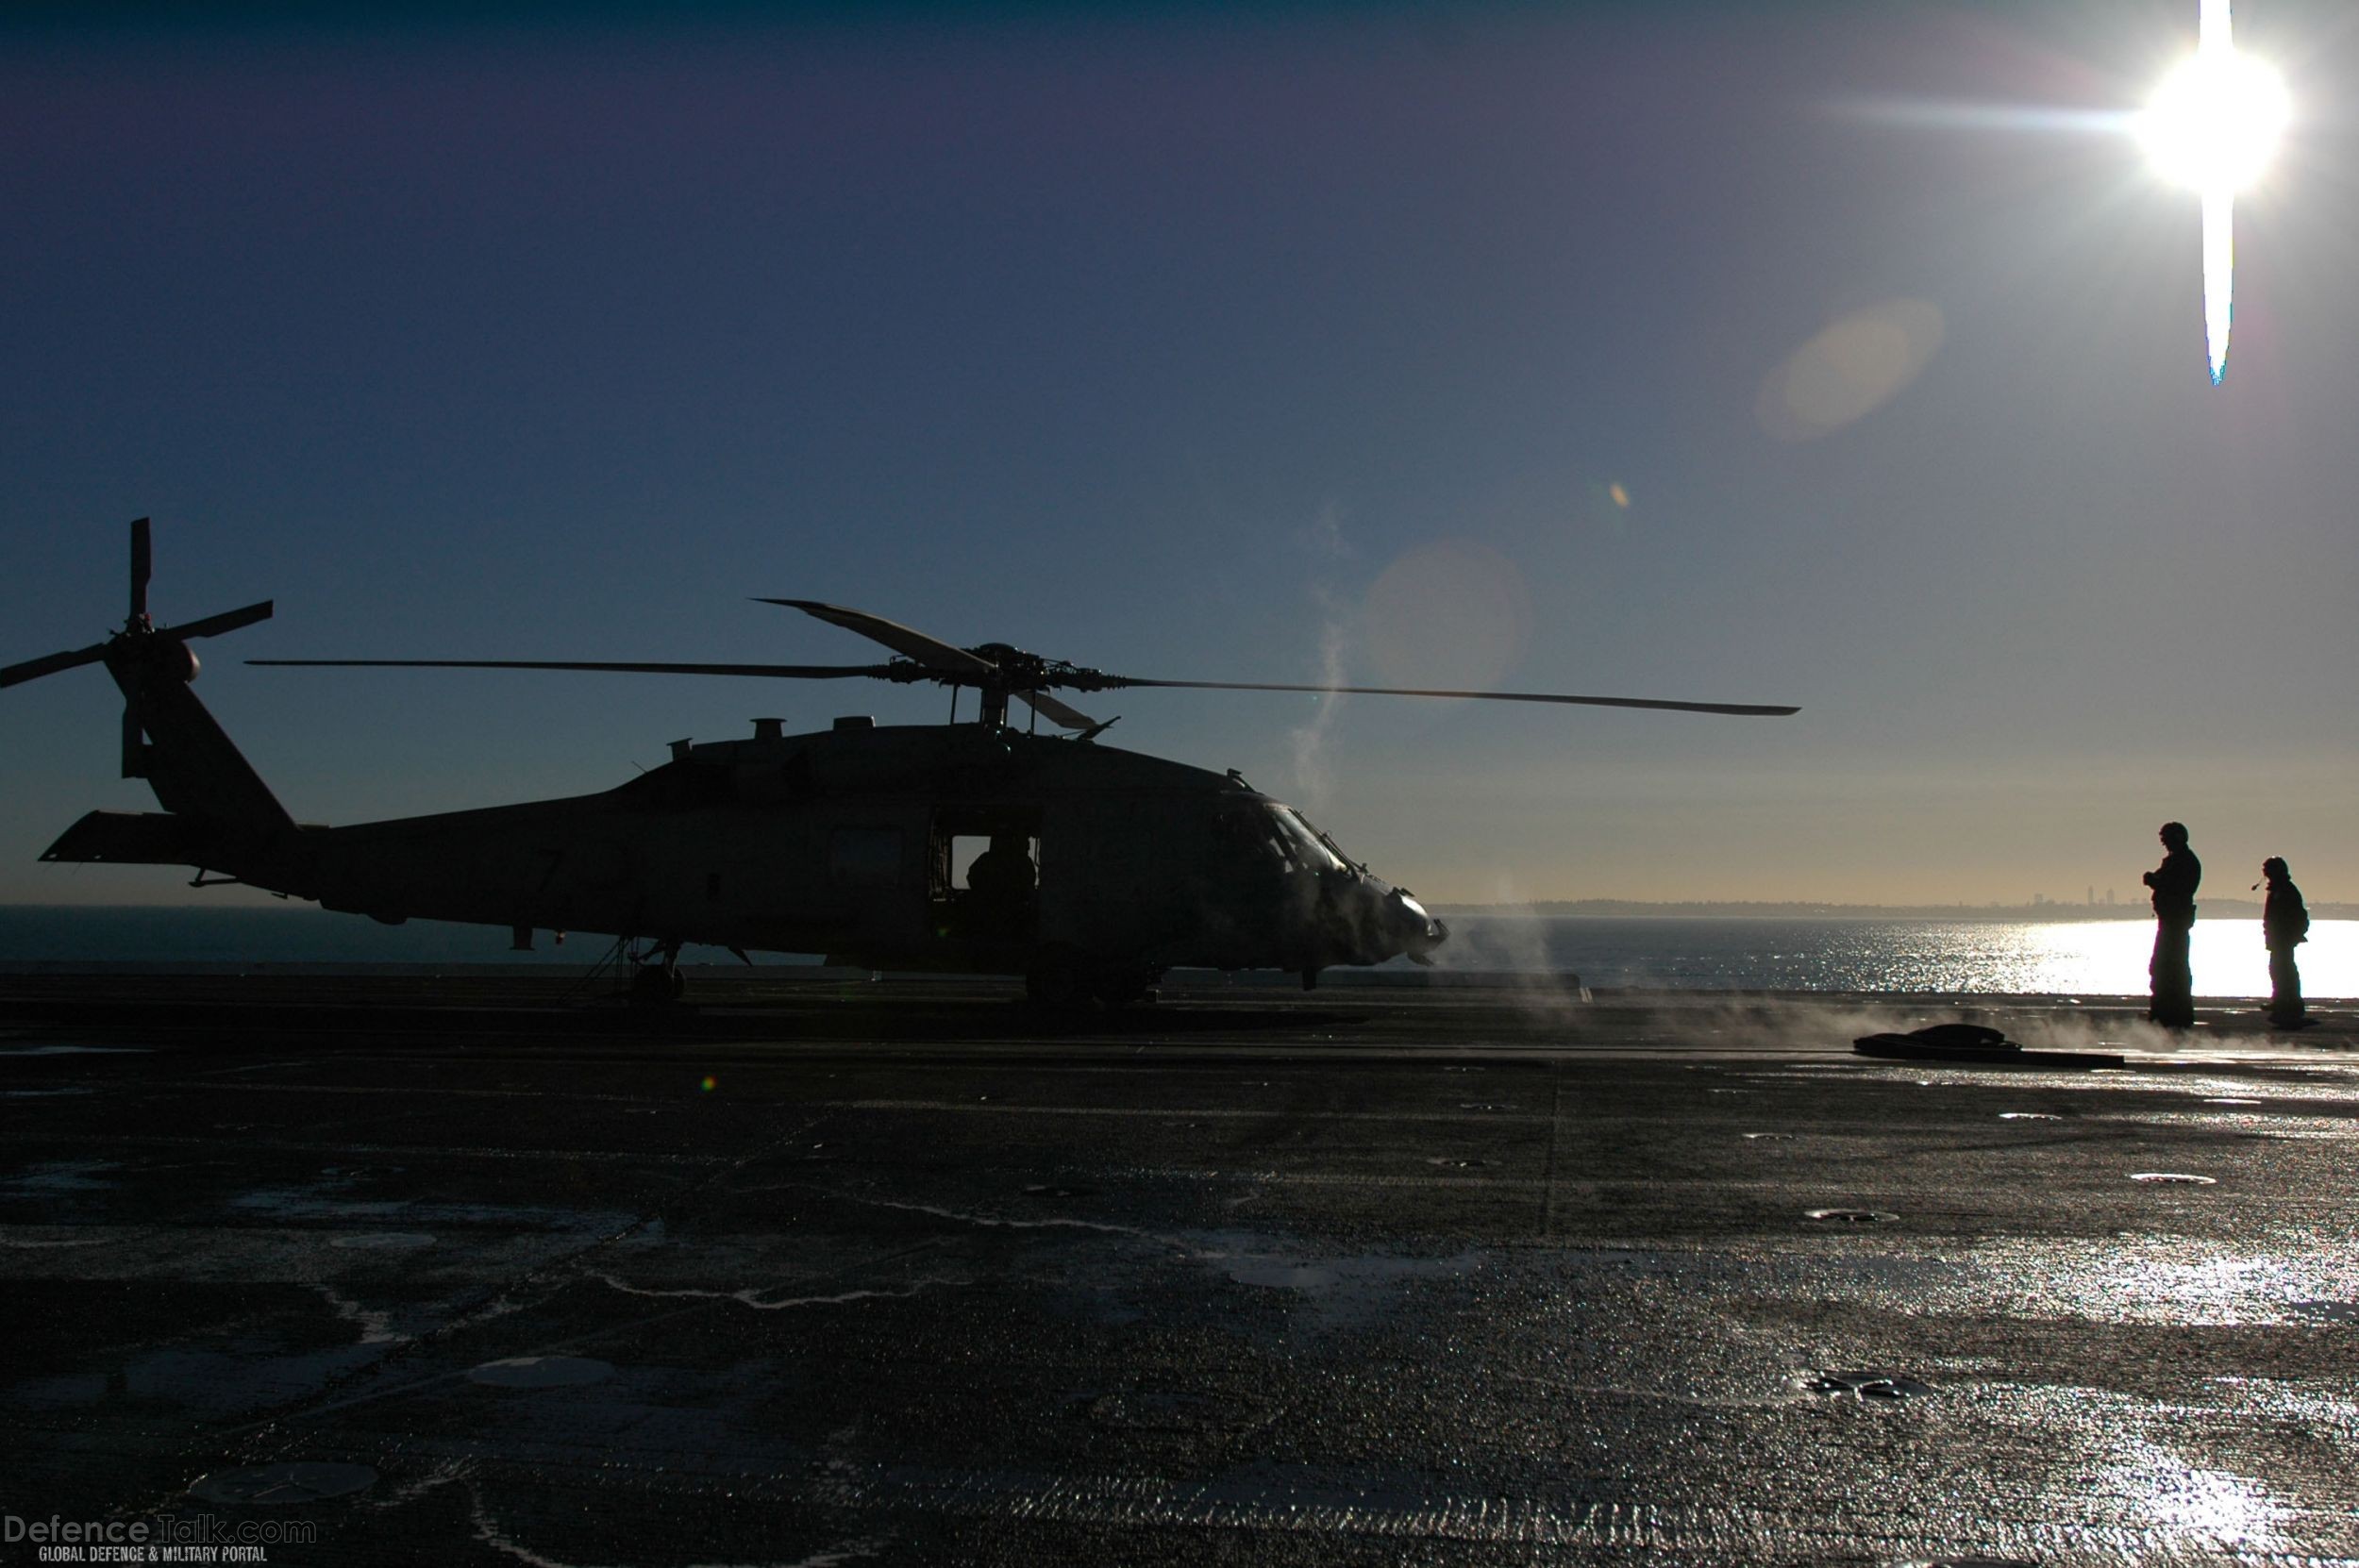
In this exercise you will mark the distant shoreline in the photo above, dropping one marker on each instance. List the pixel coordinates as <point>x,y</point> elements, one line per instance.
<point>1624,909</point>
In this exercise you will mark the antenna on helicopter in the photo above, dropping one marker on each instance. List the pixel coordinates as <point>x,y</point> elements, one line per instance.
<point>998,673</point>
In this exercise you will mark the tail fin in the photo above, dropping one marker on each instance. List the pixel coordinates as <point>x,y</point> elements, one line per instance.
<point>168,737</point>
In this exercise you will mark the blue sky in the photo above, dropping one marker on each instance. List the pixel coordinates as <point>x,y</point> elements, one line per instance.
<point>1452,345</point>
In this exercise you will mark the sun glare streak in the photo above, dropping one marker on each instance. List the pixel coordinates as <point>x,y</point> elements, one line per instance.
<point>2220,277</point>
<point>1962,114</point>
<point>2212,125</point>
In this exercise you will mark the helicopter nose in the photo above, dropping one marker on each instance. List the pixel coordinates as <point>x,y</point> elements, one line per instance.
<point>1416,930</point>
<point>1359,919</point>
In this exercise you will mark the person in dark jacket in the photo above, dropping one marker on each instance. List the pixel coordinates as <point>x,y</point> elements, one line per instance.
<point>2174,883</point>
<point>2284,926</point>
<point>1003,876</point>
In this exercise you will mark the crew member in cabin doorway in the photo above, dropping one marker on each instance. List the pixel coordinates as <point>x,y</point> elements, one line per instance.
<point>1003,876</point>
<point>2174,883</point>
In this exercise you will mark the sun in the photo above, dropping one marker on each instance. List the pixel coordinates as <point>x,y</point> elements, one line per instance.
<point>2216,121</point>
<point>2212,125</point>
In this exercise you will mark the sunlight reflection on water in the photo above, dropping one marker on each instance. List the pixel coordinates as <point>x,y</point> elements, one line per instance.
<point>2066,957</point>
<point>2214,1505</point>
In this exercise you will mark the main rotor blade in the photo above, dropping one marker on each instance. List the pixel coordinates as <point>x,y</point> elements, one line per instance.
<point>33,669</point>
<point>1056,713</point>
<point>792,672</point>
<point>1751,710</point>
<point>142,563</point>
<point>929,651</point>
<point>228,620</point>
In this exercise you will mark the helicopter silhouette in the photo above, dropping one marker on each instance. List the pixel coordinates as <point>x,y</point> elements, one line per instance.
<point>964,847</point>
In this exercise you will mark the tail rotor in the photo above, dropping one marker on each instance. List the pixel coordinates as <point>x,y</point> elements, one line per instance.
<point>140,651</point>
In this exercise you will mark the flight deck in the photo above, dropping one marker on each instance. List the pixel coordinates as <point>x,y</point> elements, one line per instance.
<point>827,1270</point>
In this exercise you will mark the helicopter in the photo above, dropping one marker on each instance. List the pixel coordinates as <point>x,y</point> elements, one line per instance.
<point>965,847</point>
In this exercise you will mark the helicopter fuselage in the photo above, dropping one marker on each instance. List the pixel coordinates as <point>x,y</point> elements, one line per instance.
<point>967,847</point>
<point>857,842</point>
<point>1087,869</point>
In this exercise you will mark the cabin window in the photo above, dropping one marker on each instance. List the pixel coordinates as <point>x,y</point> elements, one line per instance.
<point>962,835</point>
<point>864,856</point>
<point>983,873</point>
<point>965,849</point>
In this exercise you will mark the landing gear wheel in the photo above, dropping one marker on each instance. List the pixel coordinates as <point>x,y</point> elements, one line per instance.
<point>657,985</point>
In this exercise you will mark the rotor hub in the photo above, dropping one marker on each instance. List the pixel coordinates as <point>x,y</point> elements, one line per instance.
<point>164,655</point>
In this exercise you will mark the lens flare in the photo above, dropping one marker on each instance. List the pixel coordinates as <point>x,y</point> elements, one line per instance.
<point>1849,370</point>
<point>2212,125</point>
<point>1450,614</point>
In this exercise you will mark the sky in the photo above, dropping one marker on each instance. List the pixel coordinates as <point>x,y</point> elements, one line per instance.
<point>1847,355</point>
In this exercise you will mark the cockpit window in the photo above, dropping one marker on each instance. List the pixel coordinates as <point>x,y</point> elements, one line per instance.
<point>1331,846</point>
<point>1306,846</point>
<point>1275,835</point>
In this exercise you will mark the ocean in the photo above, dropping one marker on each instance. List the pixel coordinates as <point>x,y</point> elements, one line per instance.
<point>2097,958</point>
<point>2060,958</point>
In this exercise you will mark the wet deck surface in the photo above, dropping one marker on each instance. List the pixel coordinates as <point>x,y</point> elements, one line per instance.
<point>831,1274</point>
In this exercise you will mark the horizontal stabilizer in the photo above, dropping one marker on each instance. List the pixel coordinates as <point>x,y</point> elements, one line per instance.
<point>132,838</point>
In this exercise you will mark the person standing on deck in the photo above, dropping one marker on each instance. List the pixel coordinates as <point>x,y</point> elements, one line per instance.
<point>2284,926</point>
<point>2174,883</point>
